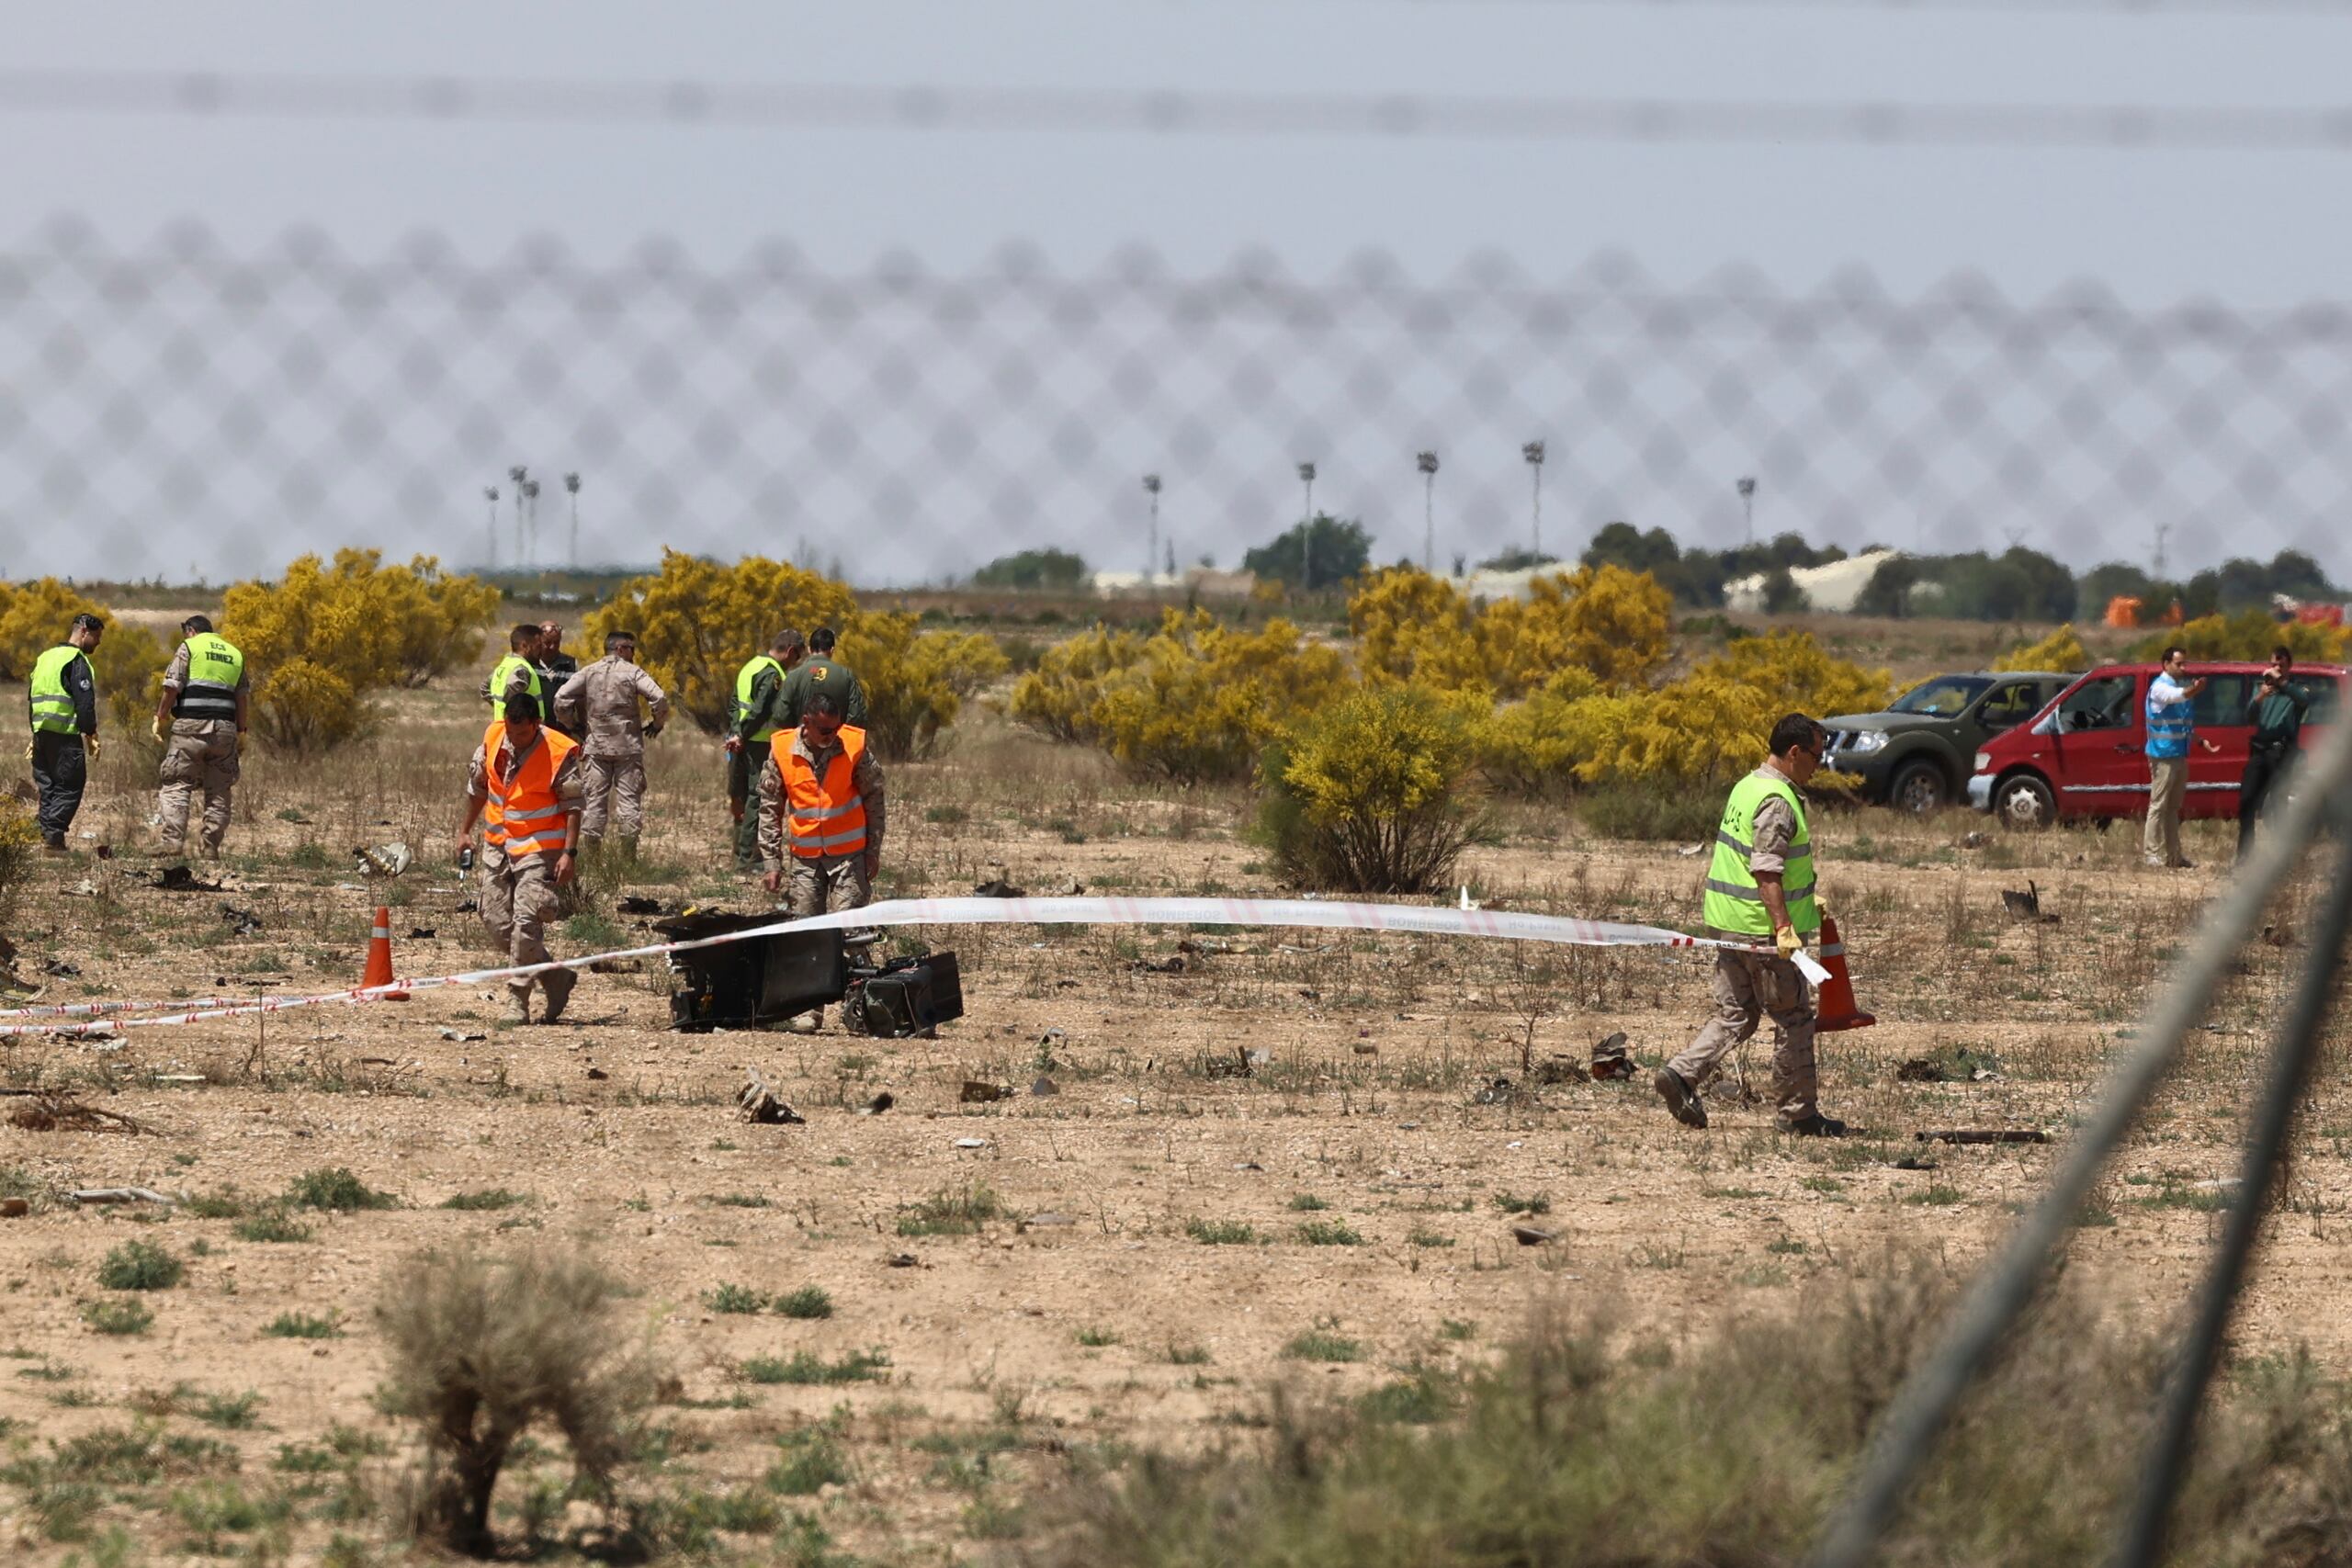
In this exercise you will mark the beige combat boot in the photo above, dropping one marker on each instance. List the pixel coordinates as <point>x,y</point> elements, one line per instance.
<point>518,1005</point>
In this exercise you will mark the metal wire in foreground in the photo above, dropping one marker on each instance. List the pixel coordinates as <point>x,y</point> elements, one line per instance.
<point>2006,1284</point>
<point>2291,1065</point>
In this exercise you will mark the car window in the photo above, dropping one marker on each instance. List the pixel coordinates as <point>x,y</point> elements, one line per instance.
<point>2104,703</point>
<point>2222,701</point>
<point>2324,691</point>
<point>1946,696</point>
<point>2010,706</point>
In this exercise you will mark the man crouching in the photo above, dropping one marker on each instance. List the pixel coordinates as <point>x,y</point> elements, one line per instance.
<point>524,787</point>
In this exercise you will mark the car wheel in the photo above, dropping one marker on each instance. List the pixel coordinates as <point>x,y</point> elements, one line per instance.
<point>1918,788</point>
<point>2024,801</point>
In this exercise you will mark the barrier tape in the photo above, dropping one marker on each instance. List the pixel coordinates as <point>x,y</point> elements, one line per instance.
<point>1312,913</point>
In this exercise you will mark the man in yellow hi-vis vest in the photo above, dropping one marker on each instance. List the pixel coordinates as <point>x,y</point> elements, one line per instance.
<point>518,672</point>
<point>201,720</point>
<point>1761,893</point>
<point>62,699</point>
<point>752,724</point>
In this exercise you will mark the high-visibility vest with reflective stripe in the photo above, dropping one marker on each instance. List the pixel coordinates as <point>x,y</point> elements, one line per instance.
<point>501,677</point>
<point>52,704</point>
<point>743,680</point>
<point>214,668</point>
<point>524,815</point>
<point>824,815</point>
<point>1734,902</point>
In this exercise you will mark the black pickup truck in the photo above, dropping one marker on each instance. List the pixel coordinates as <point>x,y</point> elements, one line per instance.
<point>1918,753</point>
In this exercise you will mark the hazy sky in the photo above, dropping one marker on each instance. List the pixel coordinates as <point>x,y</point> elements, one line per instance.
<point>2253,228</point>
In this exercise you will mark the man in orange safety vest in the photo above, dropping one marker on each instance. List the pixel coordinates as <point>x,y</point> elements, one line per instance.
<point>822,842</point>
<point>524,788</point>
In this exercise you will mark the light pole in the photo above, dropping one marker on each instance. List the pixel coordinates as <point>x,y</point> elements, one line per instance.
<point>1151,541</point>
<point>572,487</point>
<point>1746,488</point>
<point>2162,529</point>
<point>1307,532</point>
<point>1426,461</point>
<point>490,494</point>
<point>1533,453</point>
<point>521,475</point>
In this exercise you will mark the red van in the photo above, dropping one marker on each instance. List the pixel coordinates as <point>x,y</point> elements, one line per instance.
<point>2085,756</point>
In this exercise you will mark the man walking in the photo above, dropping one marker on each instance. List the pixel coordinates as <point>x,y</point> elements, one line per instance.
<point>601,703</point>
<point>2172,728</point>
<point>1760,892</point>
<point>822,672</point>
<point>2276,712</point>
<point>758,714</point>
<point>201,721</point>
<point>63,698</point>
<point>824,821</point>
<point>518,672</point>
<point>524,787</point>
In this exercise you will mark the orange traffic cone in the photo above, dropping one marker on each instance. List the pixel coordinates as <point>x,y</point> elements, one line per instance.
<point>380,959</point>
<point>1836,1008</point>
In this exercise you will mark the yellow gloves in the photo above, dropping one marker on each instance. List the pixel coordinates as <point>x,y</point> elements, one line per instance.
<point>155,728</point>
<point>90,744</point>
<point>28,751</point>
<point>1787,939</point>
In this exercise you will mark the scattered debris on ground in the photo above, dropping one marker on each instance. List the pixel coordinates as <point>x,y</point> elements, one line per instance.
<point>977,1093</point>
<point>383,860</point>
<point>2026,907</point>
<point>762,1105</point>
<point>1984,1135</point>
<point>1611,1058</point>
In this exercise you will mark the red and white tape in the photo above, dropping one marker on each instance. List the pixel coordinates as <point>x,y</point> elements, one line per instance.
<point>1312,913</point>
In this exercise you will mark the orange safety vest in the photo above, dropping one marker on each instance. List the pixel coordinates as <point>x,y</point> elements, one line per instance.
<point>825,816</point>
<point>523,816</point>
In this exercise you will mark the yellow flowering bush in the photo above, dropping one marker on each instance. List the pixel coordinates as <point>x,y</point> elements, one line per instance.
<point>915,681</point>
<point>326,635</point>
<point>1058,696</point>
<point>697,621</point>
<point>1613,624</point>
<point>2249,635</point>
<point>128,666</point>
<point>2061,650</point>
<point>1366,795</point>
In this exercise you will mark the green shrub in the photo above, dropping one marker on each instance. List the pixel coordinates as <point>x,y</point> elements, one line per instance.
<point>1661,811</point>
<point>481,1349</point>
<point>804,1367</point>
<point>337,1191</point>
<point>272,1225</point>
<point>304,1326</point>
<point>808,1301</point>
<point>140,1266</point>
<point>116,1316</point>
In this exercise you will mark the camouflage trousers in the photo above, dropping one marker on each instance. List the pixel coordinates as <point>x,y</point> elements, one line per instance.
<point>614,788</point>
<point>820,887</point>
<point>200,758</point>
<point>519,901</point>
<point>1749,987</point>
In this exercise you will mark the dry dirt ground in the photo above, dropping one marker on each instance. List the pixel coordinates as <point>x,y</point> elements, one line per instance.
<point>1159,1248</point>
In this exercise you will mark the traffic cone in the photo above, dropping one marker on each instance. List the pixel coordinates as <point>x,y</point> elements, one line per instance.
<point>1836,1008</point>
<point>380,959</point>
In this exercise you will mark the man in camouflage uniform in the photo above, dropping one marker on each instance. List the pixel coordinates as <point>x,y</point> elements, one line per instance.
<point>522,893</point>
<point>601,703</point>
<point>849,806</point>
<point>201,721</point>
<point>1760,894</point>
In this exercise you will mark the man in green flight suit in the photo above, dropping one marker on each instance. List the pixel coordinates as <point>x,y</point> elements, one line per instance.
<point>820,672</point>
<point>757,714</point>
<point>1760,892</point>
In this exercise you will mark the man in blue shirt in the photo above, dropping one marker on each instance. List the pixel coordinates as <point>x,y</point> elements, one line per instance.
<point>2171,731</point>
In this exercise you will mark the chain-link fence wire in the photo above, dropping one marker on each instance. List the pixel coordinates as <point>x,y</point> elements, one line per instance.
<point>175,408</point>
<point>1996,1299</point>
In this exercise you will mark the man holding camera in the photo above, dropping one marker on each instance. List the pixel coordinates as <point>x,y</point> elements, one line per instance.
<point>2276,711</point>
<point>2172,730</point>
